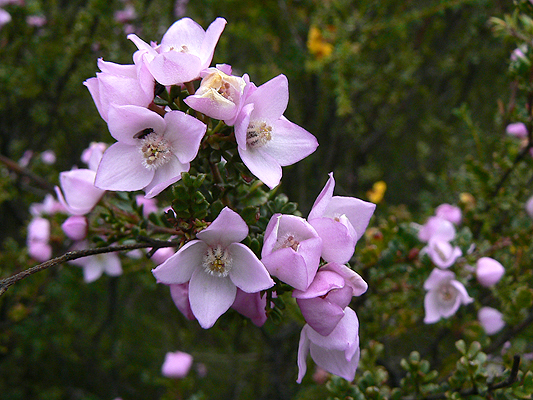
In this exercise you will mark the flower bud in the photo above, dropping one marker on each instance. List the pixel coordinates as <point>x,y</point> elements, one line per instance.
<point>491,320</point>
<point>75,227</point>
<point>488,271</point>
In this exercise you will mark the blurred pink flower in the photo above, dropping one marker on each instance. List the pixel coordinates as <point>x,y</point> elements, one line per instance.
<point>215,265</point>
<point>48,157</point>
<point>94,266</point>
<point>125,15</point>
<point>49,206</point>
<point>78,193</point>
<point>36,20</point>
<point>340,222</point>
<point>185,51</point>
<point>488,271</point>
<point>337,353</point>
<point>444,297</point>
<point>5,17</point>
<point>37,239</point>
<point>176,365</point>
<point>491,320</point>
<point>529,207</point>
<point>517,129</point>
<point>449,213</point>
<point>437,227</point>
<point>75,227</point>
<point>93,154</point>
<point>291,250</point>
<point>441,252</point>
<point>149,205</point>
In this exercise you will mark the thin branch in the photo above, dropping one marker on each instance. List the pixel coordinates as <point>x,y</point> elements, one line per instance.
<point>73,255</point>
<point>15,167</point>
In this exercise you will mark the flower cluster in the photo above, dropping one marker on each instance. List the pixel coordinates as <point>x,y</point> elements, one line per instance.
<point>445,294</point>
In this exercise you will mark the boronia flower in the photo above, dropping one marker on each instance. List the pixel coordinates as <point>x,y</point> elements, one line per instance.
<point>491,320</point>
<point>94,266</point>
<point>266,139</point>
<point>444,297</point>
<point>291,250</point>
<point>442,253</point>
<point>337,353</point>
<point>185,50</point>
<point>216,265</point>
<point>489,271</point>
<point>340,222</point>
<point>151,152</point>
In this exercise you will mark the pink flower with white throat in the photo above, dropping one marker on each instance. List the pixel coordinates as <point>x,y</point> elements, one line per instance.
<point>340,222</point>
<point>185,50</point>
<point>337,353</point>
<point>324,302</point>
<point>266,139</point>
<point>151,152</point>
<point>444,297</point>
<point>291,250</point>
<point>216,265</point>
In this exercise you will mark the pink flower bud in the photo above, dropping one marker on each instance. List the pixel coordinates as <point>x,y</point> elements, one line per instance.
<point>491,320</point>
<point>176,365</point>
<point>488,271</point>
<point>517,129</point>
<point>75,227</point>
<point>449,213</point>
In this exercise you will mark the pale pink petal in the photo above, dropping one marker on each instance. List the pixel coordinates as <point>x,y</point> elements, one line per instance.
<point>94,89</point>
<point>210,297</point>
<point>92,271</point>
<point>251,305</point>
<point>344,337</point>
<point>303,351</point>
<point>322,315</point>
<point>173,67</point>
<point>75,227</point>
<point>270,99</point>
<point>323,199</point>
<point>180,295</point>
<point>356,210</point>
<point>121,168</point>
<point>210,41</point>
<point>247,272</point>
<point>431,307</point>
<point>165,176</point>
<point>125,122</point>
<point>436,277</point>
<point>79,190</point>
<point>351,278</point>
<point>176,365</point>
<point>41,251</point>
<point>290,143</point>
<point>184,32</point>
<point>437,227</point>
<point>334,361</point>
<point>290,267</point>
<point>227,228</point>
<point>184,132</point>
<point>262,165</point>
<point>324,282</point>
<point>180,267</point>
<point>338,245</point>
<point>112,265</point>
<point>488,271</point>
<point>241,125</point>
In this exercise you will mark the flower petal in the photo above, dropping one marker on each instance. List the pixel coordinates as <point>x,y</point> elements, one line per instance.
<point>338,245</point>
<point>121,169</point>
<point>184,132</point>
<point>127,121</point>
<point>165,176</point>
<point>247,272</point>
<point>270,99</point>
<point>180,267</point>
<point>323,199</point>
<point>358,212</point>
<point>262,165</point>
<point>210,297</point>
<point>290,143</point>
<point>227,228</point>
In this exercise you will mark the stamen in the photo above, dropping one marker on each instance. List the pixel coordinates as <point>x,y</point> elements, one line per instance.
<point>156,150</point>
<point>217,262</point>
<point>287,240</point>
<point>258,134</point>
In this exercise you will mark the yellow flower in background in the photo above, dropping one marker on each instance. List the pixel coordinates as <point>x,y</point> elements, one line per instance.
<point>317,45</point>
<point>375,195</point>
<point>468,200</point>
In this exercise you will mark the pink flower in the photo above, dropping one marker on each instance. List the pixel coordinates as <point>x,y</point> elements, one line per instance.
<point>491,320</point>
<point>75,227</point>
<point>78,193</point>
<point>120,85</point>
<point>93,154</point>
<point>185,50</point>
<point>267,140</point>
<point>517,129</point>
<point>441,252</point>
<point>251,305</point>
<point>37,239</point>
<point>49,206</point>
<point>444,296</point>
<point>5,17</point>
<point>151,152</point>
<point>36,20</point>
<point>324,301</point>
<point>291,250</point>
<point>437,227</point>
<point>449,213</point>
<point>488,271</point>
<point>340,222</point>
<point>48,157</point>
<point>529,207</point>
<point>149,205</point>
<point>176,365</point>
<point>215,265</point>
<point>94,266</point>
<point>337,353</point>
<point>220,95</point>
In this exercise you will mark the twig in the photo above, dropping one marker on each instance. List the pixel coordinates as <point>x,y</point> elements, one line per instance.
<point>73,255</point>
<point>13,166</point>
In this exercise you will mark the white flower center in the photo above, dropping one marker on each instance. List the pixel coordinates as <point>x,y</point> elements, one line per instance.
<point>258,134</point>
<point>217,261</point>
<point>155,149</point>
<point>447,293</point>
<point>287,240</point>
